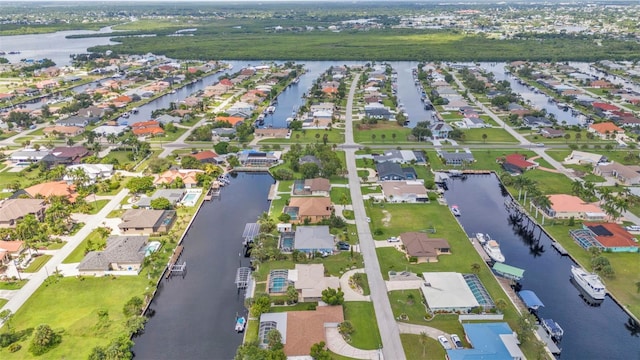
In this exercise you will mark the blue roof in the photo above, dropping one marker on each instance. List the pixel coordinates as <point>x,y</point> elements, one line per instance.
<point>530,299</point>
<point>486,342</point>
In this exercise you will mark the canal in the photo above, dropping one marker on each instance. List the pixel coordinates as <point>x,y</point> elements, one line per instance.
<point>590,332</point>
<point>408,94</point>
<point>194,317</point>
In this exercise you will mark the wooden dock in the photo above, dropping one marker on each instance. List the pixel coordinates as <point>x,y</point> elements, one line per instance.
<point>556,245</point>
<point>273,192</point>
<point>174,259</point>
<point>480,250</point>
<point>546,339</point>
<point>515,299</point>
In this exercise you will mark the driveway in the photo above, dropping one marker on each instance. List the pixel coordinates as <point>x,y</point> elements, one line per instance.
<point>349,293</point>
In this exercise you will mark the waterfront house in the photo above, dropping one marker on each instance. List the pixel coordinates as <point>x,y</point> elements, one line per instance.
<point>106,130</point>
<point>166,119</point>
<point>253,158</point>
<point>146,222</point>
<point>147,128</point>
<point>605,130</point>
<point>606,236</point>
<point>423,249</point>
<point>626,175</point>
<point>11,249</point>
<point>377,111</point>
<point>404,191</point>
<point>456,158</point>
<point>391,171</point>
<point>123,255</point>
<point>314,239</point>
<point>66,155</point>
<point>52,188</point>
<point>315,209</point>
<point>173,195</point>
<point>231,120</point>
<point>94,172</point>
<point>312,187</point>
<point>208,157</point>
<point>27,156</point>
<point>440,130</point>
<point>450,291</point>
<point>79,121</point>
<point>67,131</point>
<point>401,156</point>
<point>495,341</point>
<point>517,163</point>
<point>300,329</point>
<point>568,206</point>
<point>14,210</point>
<point>189,177</point>
<point>550,133</point>
<point>583,158</point>
<point>536,122</point>
<point>309,281</point>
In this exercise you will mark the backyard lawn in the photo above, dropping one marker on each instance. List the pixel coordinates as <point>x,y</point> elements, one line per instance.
<point>363,318</point>
<point>413,349</point>
<point>71,304</point>
<point>340,195</point>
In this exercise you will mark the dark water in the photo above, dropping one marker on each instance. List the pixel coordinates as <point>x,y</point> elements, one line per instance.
<point>589,332</point>
<point>408,93</point>
<point>195,316</point>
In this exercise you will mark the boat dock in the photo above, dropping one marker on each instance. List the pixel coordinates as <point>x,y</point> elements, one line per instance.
<point>547,340</point>
<point>511,293</point>
<point>556,245</point>
<point>476,244</point>
<point>174,259</point>
<point>273,192</point>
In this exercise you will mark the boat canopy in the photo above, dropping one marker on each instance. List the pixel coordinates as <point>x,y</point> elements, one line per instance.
<point>508,271</point>
<point>530,299</point>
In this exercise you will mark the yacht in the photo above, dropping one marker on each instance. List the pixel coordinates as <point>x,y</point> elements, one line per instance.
<point>492,248</point>
<point>483,238</point>
<point>455,210</point>
<point>589,282</point>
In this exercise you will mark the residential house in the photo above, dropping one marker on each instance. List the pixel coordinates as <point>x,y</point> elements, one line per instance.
<point>253,158</point>
<point>310,159</point>
<point>314,239</point>
<point>602,107</point>
<point>79,121</point>
<point>147,128</point>
<point>67,131</point>
<point>27,156</point>
<point>223,132</point>
<point>551,133</point>
<point>568,206</point>
<point>173,195</point>
<point>605,130</point>
<point>241,107</point>
<point>404,191</point>
<point>582,158</point>
<point>309,281</point>
<point>473,122</point>
<point>536,121</point>
<point>106,130</point>
<point>94,172</point>
<point>66,155</point>
<point>401,156</point>
<point>315,209</point>
<point>146,222</point>
<point>389,171</point>
<point>377,111</point>
<point>14,210</point>
<point>312,187</point>
<point>208,157</point>
<point>189,177</point>
<point>232,120</point>
<point>52,188</point>
<point>626,175</point>
<point>11,250</point>
<point>419,246</point>
<point>456,158</point>
<point>517,163</point>
<point>440,130</point>
<point>166,119</point>
<point>123,255</point>
<point>299,329</point>
<point>605,236</point>
<point>495,341</point>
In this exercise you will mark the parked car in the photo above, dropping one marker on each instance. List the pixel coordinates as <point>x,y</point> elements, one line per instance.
<point>456,341</point>
<point>444,342</point>
<point>343,245</point>
<point>393,239</point>
<point>368,219</point>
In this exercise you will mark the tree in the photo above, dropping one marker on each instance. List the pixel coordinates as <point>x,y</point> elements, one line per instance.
<point>567,136</point>
<point>119,349</point>
<point>133,307</point>
<point>332,296</point>
<point>423,341</point>
<point>261,304</point>
<point>292,294</point>
<point>189,162</point>
<point>274,340</point>
<point>319,351</point>
<point>525,326</point>
<point>267,225</point>
<point>475,268</point>
<point>139,185</point>
<point>578,136</point>
<point>161,203</point>
<point>484,138</point>
<point>346,328</point>
<point>393,136</point>
<point>44,338</point>
<point>158,165</point>
<point>309,170</point>
<point>422,130</point>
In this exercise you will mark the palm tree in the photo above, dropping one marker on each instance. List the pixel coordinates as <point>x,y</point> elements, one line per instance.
<point>373,137</point>
<point>520,183</point>
<point>475,268</point>
<point>393,136</point>
<point>423,341</point>
<point>484,138</point>
<point>543,203</point>
<point>576,187</point>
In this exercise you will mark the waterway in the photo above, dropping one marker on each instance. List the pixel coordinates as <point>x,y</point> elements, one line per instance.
<point>590,332</point>
<point>408,93</point>
<point>194,316</point>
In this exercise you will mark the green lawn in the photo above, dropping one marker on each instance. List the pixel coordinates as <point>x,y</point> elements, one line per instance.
<point>2,302</point>
<point>361,314</point>
<point>277,205</point>
<point>494,135</point>
<point>115,214</point>
<point>120,156</point>
<point>309,136</point>
<point>550,183</point>
<point>37,263</point>
<point>388,129</point>
<point>340,195</point>
<point>78,253</point>
<point>413,349</point>
<point>71,304</point>
<point>97,205</point>
<point>297,307</point>
<point>12,285</point>
<point>285,185</point>
<point>168,136</point>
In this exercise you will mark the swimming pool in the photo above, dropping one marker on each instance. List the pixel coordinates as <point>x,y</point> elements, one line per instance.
<point>191,198</point>
<point>479,292</point>
<point>287,243</point>
<point>278,281</point>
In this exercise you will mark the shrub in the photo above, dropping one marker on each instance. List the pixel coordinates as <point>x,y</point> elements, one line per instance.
<point>44,339</point>
<point>14,347</point>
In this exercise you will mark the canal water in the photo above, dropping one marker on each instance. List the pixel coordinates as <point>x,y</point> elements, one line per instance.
<point>194,317</point>
<point>590,332</point>
<point>408,93</point>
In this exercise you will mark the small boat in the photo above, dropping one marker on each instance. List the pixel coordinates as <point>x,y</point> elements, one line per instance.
<point>492,248</point>
<point>553,329</point>
<point>483,238</point>
<point>589,282</point>
<point>125,115</point>
<point>271,109</point>
<point>134,110</point>
<point>295,81</point>
<point>455,210</point>
<point>240,323</point>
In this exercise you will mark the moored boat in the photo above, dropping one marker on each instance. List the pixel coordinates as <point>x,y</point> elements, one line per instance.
<point>483,238</point>
<point>492,248</point>
<point>455,210</point>
<point>552,329</point>
<point>589,282</point>
<point>240,323</point>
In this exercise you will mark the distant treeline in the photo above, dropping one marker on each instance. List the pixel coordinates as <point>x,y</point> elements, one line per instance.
<point>436,45</point>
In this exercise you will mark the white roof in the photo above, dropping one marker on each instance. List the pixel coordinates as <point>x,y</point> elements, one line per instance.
<point>447,290</point>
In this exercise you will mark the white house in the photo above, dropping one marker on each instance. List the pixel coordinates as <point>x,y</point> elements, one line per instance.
<point>94,172</point>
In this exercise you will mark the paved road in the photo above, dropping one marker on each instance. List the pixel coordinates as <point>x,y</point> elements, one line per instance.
<point>389,333</point>
<point>39,277</point>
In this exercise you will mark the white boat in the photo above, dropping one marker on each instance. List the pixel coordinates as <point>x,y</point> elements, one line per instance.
<point>271,109</point>
<point>552,328</point>
<point>492,248</point>
<point>455,210</point>
<point>483,238</point>
<point>240,323</point>
<point>589,282</point>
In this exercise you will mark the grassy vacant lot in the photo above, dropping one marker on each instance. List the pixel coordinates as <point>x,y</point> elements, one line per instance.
<point>78,253</point>
<point>494,135</point>
<point>340,195</point>
<point>71,304</point>
<point>168,136</point>
<point>413,349</point>
<point>550,183</point>
<point>386,128</point>
<point>361,314</point>
<point>97,205</point>
<point>37,263</point>
<point>308,136</point>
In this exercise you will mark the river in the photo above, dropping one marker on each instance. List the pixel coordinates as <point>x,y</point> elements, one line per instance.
<point>194,316</point>
<point>590,332</point>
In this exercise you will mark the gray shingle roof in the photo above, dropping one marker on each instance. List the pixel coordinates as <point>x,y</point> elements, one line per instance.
<point>120,249</point>
<point>313,237</point>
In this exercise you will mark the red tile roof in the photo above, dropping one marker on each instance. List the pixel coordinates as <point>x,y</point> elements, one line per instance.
<point>604,106</point>
<point>233,120</point>
<point>305,328</point>
<point>143,124</point>
<point>204,155</point>
<point>518,160</point>
<point>619,236</point>
<point>602,128</point>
